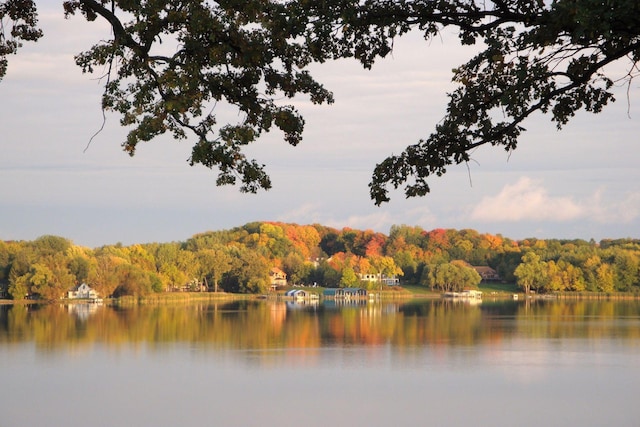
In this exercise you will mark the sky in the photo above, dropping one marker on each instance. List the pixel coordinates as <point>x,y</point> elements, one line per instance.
<point>582,182</point>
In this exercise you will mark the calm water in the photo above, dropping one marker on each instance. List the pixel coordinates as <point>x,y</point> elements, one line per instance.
<point>433,363</point>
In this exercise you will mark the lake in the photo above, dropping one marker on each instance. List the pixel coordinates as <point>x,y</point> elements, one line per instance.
<point>262,363</point>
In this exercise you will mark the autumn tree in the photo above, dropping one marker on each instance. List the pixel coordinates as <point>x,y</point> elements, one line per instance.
<point>50,278</point>
<point>104,278</point>
<point>304,239</point>
<point>563,276</point>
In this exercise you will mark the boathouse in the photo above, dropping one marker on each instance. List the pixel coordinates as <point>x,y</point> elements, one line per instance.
<point>345,293</point>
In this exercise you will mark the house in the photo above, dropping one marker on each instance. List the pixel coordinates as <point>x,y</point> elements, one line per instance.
<point>487,273</point>
<point>277,278</point>
<point>380,278</point>
<point>83,291</point>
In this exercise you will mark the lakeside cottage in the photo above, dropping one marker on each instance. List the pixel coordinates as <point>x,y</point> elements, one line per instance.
<point>486,273</point>
<point>83,291</point>
<point>277,278</point>
<point>380,278</point>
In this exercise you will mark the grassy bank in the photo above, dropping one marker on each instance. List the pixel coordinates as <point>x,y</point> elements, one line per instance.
<point>496,288</point>
<point>178,298</point>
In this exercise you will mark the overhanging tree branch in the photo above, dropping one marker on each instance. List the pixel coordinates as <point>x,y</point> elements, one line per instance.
<point>535,56</point>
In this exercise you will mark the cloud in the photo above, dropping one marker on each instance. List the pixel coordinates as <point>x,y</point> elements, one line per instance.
<point>383,220</point>
<point>625,211</point>
<point>376,219</point>
<point>529,200</point>
<point>526,200</point>
<point>303,214</point>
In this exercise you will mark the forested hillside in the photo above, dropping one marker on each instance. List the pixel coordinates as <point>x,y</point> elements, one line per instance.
<point>241,259</point>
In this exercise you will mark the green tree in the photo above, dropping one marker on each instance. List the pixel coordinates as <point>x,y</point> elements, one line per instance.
<point>50,277</point>
<point>80,267</point>
<point>297,268</point>
<point>532,274</point>
<point>132,280</point>
<point>214,264</point>
<point>104,277</point>
<point>563,276</point>
<point>452,276</point>
<point>555,278</point>
<point>384,266</point>
<point>590,268</point>
<point>605,274</point>
<point>5,262</point>
<point>51,245</point>
<point>19,21</point>
<point>19,269</point>
<point>349,278</point>
<point>173,278</point>
<point>19,287</point>
<point>626,266</point>
<point>249,272</point>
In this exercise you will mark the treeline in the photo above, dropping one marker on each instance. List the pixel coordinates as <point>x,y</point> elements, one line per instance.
<point>241,259</point>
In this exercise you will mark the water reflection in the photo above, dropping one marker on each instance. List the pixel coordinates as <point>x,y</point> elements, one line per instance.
<point>260,325</point>
<point>251,363</point>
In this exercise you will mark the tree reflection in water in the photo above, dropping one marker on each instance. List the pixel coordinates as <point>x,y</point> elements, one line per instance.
<point>254,325</point>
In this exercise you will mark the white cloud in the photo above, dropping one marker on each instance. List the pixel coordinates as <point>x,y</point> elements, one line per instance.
<point>303,214</point>
<point>529,200</point>
<point>625,211</point>
<point>420,216</point>
<point>375,221</point>
<point>383,220</point>
<point>526,200</point>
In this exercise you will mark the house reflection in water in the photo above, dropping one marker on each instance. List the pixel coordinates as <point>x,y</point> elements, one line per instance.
<point>83,311</point>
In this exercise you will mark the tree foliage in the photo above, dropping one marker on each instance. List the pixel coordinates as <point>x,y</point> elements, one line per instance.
<point>171,64</point>
<point>239,260</point>
<point>532,274</point>
<point>452,276</point>
<point>536,56</point>
<point>18,23</point>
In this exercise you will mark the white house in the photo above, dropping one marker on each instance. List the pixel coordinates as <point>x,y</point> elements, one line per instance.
<point>380,278</point>
<point>82,291</point>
